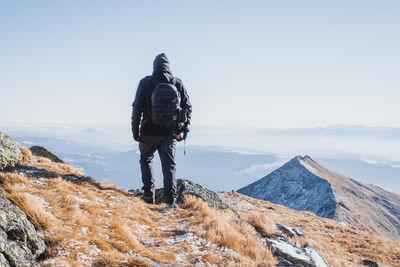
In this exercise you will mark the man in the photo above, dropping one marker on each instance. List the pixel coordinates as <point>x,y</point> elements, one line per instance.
<point>157,126</point>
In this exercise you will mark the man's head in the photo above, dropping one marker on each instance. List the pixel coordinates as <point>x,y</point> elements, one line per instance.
<point>161,63</point>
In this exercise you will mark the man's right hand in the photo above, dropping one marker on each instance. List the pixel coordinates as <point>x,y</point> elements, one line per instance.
<point>136,137</point>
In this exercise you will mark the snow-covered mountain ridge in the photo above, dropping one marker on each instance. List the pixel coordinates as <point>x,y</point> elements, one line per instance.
<point>303,184</point>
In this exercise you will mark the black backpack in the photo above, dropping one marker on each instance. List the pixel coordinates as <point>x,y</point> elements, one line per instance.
<point>165,104</point>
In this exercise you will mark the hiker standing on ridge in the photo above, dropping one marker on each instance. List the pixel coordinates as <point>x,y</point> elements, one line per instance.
<point>161,115</point>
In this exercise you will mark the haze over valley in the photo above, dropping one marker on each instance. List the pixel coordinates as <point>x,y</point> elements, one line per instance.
<point>224,158</point>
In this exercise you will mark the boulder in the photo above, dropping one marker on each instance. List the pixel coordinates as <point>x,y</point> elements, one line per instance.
<point>42,173</point>
<point>20,244</point>
<point>43,152</point>
<point>186,187</point>
<point>286,230</point>
<point>290,232</point>
<point>10,152</point>
<point>291,255</point>
<point>369,263</point>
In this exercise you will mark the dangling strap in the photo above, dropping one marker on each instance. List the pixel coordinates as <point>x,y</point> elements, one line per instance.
<point>184,147</point>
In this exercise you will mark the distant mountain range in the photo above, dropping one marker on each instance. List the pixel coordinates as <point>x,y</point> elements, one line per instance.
<point>303,184</point>
<point>215,167</point>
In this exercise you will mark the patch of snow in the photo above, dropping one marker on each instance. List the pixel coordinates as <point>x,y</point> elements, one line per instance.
<point>84,230</point>
<point>23,186</point>
<point>81,200</point>
<point>95,250</point>
<point>322,232</point>
<point>44,202</point>
<point>61,252</point>
<point>49,262</point>
<point>86,259</point>
<point>97,199</point>
<point>107,211</point>
<point>343,223</point>
<point>104,235</point>
<point>177,239</point>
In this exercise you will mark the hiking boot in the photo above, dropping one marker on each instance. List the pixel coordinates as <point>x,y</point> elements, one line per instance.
<point>173,206</point>
<point>149,198</point>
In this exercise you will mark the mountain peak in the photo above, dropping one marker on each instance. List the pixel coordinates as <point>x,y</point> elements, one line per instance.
<point>303,184</point>
<point>303,160</point>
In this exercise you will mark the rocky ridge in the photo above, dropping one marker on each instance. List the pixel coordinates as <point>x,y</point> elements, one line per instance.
<point>186,187</point>
<point>20,244</point>
<point>303,184</point>
<point>10,152</point>
<point>43,152</point>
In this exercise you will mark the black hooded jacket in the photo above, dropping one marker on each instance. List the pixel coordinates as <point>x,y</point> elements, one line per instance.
<point>141,107</point>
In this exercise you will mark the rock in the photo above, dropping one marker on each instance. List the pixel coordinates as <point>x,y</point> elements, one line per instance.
<point>314,255</point>
<point>43,152</point>
<point>285,263</point>
<point>298,232</point>
<point>369,263</point>
<point>283,248</point>
<point>286,230</point>
<point>291,255</point>
<point>42,173</point>
<point>186,187</point>
<point>3,261</point>
<point>10,152</point>
<point>20,245</point>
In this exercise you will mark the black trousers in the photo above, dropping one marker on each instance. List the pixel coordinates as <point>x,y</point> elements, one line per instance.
<point>166,147</point>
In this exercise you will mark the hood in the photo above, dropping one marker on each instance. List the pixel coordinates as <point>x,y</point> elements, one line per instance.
<point>161,69</point>
<point>161,64</point>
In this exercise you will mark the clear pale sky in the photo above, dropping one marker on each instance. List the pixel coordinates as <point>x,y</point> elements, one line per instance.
<point>248,63</point>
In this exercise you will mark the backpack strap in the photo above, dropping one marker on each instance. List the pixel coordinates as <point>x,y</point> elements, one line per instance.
<point>173,81</point>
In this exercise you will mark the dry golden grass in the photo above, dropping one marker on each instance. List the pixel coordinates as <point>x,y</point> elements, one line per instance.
<point>261,222</point>
<point>33,209</point>
<point>26,156</point>
<point>47,164</point>
<point>59,168</point>
<point>77,217</point>
<point>340,245</point>
<point>223,228</point>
